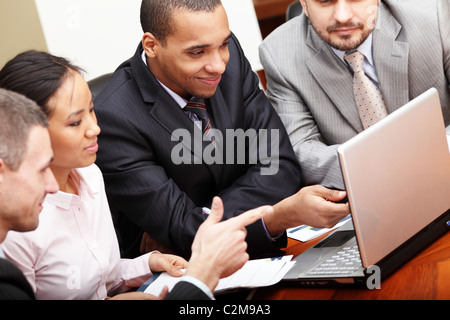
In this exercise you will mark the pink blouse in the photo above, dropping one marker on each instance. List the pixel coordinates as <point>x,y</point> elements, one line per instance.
<point>74,252</point>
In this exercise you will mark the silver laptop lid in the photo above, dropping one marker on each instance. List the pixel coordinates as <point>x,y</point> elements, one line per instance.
<point>397,176</point>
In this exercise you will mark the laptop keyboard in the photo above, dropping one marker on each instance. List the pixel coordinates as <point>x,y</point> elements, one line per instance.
<point>345,261</point>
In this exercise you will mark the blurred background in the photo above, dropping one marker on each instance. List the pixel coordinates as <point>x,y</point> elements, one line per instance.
<point>98,35</point>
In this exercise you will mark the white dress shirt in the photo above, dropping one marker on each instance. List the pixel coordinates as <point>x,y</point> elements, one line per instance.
<point>74,252</point>
<point>366,49</point>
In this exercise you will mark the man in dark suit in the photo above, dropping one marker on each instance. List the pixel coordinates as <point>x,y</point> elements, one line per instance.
<point>161,170</point>
<point>25,156</point>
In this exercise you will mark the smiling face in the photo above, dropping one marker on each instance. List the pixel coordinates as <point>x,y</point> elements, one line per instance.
<point>344,24</point>
<point>22,191</point>
<point>194,56</point>
<point>73,125</point>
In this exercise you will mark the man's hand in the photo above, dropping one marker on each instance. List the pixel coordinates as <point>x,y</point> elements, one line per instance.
<point>314,206</point>
<point>219,248</point>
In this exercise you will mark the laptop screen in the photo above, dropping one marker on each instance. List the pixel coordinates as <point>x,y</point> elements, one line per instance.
<point>397,176</point>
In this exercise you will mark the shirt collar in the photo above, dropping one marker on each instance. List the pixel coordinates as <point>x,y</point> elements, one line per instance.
<point>64,200</point>
<point>365,48</point>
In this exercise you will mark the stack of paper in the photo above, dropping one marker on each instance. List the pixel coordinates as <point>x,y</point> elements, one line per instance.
<point>255,273</point>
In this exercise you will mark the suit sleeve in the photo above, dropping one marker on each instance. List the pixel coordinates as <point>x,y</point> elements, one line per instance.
<point>275,174</point>
<point>444,23</point>
<point>13,285</point>
<point>318,160</point>
<point>184,290</point>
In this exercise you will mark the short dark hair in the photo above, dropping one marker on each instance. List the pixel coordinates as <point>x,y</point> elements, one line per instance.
<point>18,115</point>
<point>156,15</point>
<point>37,75</point>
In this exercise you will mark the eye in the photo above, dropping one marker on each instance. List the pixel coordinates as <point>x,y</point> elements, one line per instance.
<point>75,124</point>
<point>196,53</point>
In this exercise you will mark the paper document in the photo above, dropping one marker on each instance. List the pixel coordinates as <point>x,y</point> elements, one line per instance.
<point>305,233</point>
<point>255,273</point>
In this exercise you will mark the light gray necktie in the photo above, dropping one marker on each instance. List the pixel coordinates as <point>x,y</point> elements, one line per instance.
<point>368,98</point>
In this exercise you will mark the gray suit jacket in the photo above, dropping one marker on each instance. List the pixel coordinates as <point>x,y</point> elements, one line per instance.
<point>311,88</point>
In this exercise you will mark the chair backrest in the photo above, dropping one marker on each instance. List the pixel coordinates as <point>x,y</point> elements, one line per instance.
<point>294,9</point>
<point>96,85</point>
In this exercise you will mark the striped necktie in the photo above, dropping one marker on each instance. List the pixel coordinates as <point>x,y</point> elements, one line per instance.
<point>368,98</point>
<point>199,109</point>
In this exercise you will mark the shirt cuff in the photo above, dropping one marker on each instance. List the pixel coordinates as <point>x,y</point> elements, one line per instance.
<point>268,234</point>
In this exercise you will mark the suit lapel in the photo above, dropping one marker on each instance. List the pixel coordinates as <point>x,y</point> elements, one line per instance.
<point>171,117</point>
<point>166,112</point>
<point>333,76</point>
<point>391,60</point>
<point>391,64</point>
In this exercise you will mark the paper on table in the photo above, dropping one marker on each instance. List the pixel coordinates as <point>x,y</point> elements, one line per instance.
<point>255,273</point>
<point>305,233</point>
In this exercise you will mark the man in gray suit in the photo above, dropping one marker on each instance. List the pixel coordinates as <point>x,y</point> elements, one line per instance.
<point>406,47</point>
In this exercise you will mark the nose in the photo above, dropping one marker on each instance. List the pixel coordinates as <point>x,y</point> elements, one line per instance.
<point>217,62</point>
<point>343,11</point>
<point>51,185</point>
<point>93,129</point>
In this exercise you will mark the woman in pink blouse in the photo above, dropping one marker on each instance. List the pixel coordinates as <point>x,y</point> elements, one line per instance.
<point>74,253</point>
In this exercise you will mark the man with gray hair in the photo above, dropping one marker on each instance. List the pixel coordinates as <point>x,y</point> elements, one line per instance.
<point>25,179</point>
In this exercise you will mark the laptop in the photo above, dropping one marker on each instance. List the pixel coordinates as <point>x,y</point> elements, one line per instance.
<point>397,178</point>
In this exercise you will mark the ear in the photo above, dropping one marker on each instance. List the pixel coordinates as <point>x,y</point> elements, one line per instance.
<point>305,7</point>
<point>150,45</point>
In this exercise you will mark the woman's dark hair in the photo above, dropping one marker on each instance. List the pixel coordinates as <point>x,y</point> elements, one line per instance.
<point>37,75</point>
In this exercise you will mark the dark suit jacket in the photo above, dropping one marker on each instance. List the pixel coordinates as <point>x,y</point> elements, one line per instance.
<point>186,291</point>
<point>13,284</point>
<point>148,192</point>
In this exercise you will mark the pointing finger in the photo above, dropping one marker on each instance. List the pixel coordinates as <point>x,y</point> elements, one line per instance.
<point>249,217</point>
